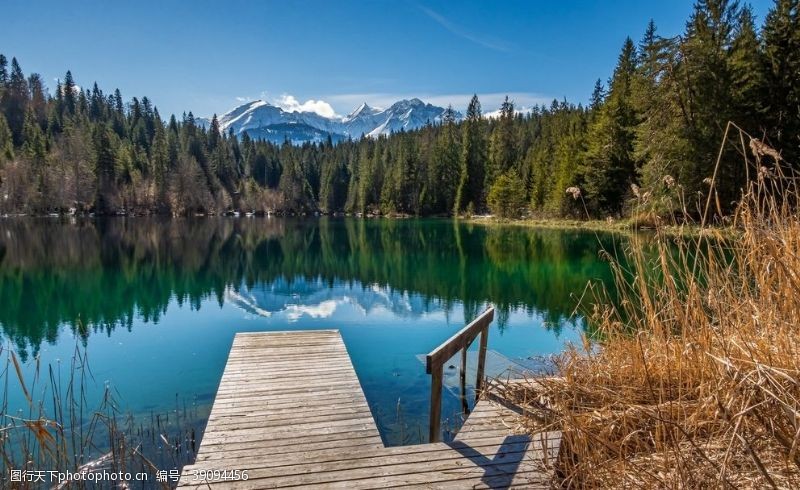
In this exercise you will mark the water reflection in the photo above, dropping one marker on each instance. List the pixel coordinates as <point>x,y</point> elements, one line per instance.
<point>104,274</point>
<point>101,275</point>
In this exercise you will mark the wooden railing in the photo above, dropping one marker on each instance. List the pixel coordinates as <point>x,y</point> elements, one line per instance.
<point>436,359</point>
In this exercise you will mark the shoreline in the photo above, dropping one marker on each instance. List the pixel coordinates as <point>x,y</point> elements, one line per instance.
<point>625,225</point>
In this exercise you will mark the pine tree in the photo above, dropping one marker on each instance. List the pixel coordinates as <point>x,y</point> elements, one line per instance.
<point>160,158</point>
<point>610,165</point>
<point>15,102</point>
<point>470,193</point>
<point>3,73</point>
<point>6,141</point>
<point>649,65</point>
<point>781,40</point>
<point>598,96</point>
<point>68,89</point>
<point>96,103</point>
<point>294,187</point>
<point>445,164</point>
<point>213,133</point>
<point>748,86</point>
<point>662,138</point>
<point>370,176</point>
<point>410,198</point>
<point>333,186</point>
<point>708,93</point>
<point>502,151</point>
<point>34,146</point>
<point>3,83</point>
<point>105,170</point>
<point>38,100</point>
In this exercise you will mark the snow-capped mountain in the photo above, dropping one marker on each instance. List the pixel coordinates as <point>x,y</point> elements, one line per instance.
<point>262,120</point>
<point>406,115</point>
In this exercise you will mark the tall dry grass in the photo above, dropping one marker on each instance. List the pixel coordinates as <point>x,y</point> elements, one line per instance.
<point>695,381</point>
<point>61,430</point>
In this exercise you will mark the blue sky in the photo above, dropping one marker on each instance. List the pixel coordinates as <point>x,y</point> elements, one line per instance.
<point>209,56</point>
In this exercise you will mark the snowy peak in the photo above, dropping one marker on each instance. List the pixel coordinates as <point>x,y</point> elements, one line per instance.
<point>362,111</point>
<point>415,102</point>
<point>243,113</point>
<point>406,115</point>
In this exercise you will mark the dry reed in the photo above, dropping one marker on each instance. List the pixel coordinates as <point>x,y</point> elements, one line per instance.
<point>694,379</point>
<point>60,431</point>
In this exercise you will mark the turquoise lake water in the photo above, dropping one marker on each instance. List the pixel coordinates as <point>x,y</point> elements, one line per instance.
<point>156,303</point>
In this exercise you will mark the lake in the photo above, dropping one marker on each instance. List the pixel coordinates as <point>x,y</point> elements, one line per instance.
<point>156,302</point>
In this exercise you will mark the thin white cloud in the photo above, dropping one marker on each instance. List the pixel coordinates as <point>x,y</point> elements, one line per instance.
<point>486,42</point>
<point>290,103</point>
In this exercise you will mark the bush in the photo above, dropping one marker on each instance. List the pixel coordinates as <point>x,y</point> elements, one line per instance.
<point>507,197</point>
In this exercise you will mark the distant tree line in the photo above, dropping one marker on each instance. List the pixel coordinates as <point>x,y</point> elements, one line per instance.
<point>658,121</point>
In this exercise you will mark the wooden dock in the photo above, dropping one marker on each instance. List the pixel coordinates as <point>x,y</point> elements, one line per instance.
<point>290,411</point>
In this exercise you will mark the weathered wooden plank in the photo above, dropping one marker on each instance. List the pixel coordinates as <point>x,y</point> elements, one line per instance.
<point>333,401</point>
<point>338,439</point>
<point>282,369</point>
<point>294,395</point>
<point>289,389</point>
<point>277,345</point>
<point>283,385</point>
<point>297,352</point>
<point>283,376</point>
<point>308,412</point>
<point>288,453</point>
<point>298,424</point>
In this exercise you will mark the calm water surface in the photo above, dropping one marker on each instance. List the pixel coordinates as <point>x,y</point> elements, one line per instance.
<point>157,302</point>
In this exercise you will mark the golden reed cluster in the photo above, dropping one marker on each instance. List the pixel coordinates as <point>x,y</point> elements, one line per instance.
<point>692,376</point>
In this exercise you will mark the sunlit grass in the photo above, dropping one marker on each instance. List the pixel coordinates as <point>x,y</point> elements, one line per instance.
<point>695,382</point>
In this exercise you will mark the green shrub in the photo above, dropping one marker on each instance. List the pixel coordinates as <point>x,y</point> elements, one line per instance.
<point>507,197</point>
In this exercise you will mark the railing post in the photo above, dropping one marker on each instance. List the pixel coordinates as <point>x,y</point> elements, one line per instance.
<point>436,402</point>
<point>481,362</point>
<point>464,404</point>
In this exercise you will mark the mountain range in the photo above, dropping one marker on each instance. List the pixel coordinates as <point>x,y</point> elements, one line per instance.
<point>265,121</point>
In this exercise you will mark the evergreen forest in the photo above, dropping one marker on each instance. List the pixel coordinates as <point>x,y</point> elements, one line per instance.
<point>655,126</point>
